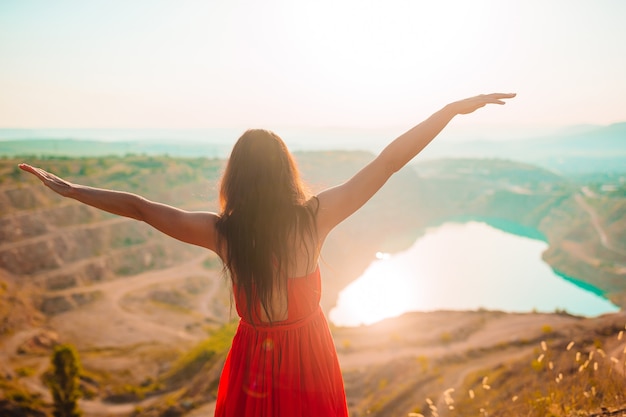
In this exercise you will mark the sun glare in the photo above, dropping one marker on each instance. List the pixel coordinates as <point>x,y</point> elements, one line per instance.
<point>364,55</point>
<point>378,296</point>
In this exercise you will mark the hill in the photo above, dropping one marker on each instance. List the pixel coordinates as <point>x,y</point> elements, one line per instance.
<point>593,149</point>
<point>149,315</point>
<point>570,151</point>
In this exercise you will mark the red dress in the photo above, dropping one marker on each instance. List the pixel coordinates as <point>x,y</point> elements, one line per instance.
<point>287,369</point>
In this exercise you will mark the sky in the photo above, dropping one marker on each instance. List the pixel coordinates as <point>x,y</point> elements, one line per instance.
<point>338,63</point>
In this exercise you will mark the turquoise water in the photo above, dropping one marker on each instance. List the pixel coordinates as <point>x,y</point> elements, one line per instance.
<point>463,266</point>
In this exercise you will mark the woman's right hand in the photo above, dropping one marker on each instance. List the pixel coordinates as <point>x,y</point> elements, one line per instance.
<point>195,227</point>
<point>56,184</point>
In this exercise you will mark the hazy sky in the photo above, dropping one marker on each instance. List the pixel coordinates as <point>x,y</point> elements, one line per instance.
<point>356,63</point>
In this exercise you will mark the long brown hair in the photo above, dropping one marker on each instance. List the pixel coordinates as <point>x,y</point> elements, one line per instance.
<point>266,212</point>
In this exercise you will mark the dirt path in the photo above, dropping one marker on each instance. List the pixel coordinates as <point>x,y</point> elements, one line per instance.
<point>491,341</point>
<point>618,352</point>
<point>110,307</point>
<point>108,323</point>
<point>485,362</point>
<point>206,410</point>
<point>497,331</point>
<point>597,225</point>
<point>116,325</point>
<point>114,293</point>
<point>60,232</point>
<point>100,409</point>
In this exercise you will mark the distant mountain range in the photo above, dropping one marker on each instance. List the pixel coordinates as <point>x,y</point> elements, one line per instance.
<point>579,149</point>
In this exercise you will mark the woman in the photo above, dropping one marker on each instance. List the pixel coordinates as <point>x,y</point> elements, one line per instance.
<point>269,234</point>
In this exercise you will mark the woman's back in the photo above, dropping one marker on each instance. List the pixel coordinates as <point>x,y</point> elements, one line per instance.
<point>295,289</point>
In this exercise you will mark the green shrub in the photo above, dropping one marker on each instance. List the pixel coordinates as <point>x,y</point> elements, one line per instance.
<point>63,381</point>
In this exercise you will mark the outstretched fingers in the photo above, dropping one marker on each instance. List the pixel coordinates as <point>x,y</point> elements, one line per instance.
<point>51,181</point>
<point>472,104</point>
<point>38,172</point>
<point>35,171</point>
<point>498,98</point>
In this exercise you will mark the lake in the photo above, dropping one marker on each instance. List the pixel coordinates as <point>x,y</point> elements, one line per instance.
<point>463,266</point>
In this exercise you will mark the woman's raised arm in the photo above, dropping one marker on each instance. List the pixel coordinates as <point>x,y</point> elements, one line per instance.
<point>197,228</point>
<point>338,203</point>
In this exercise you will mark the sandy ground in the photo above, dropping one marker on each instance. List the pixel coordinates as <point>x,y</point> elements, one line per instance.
<point>119,327</point>
<point>113,325</point>
<point>115,333</point>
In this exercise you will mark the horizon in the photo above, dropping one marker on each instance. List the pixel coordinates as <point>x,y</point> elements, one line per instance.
<point>490,132</point>
<point>285,65</point>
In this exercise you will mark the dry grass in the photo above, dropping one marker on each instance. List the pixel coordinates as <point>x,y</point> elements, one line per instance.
<point>576,378</point>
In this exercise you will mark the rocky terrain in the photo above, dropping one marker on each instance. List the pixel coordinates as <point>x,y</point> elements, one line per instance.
<point>141,308</point>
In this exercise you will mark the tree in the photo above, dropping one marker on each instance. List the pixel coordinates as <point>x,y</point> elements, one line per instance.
<point>63,381</point>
